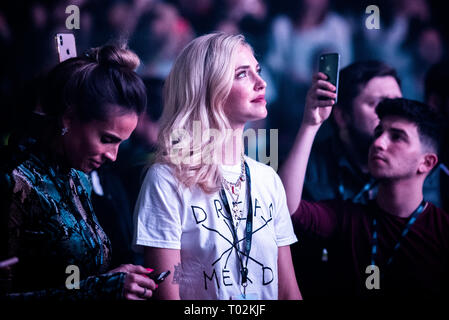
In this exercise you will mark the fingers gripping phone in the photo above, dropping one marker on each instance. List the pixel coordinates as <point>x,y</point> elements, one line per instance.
<point>65,43</point>
<point>329,64</point>
<point>159,277</point>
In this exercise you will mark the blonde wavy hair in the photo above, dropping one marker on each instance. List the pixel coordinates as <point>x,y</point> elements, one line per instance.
<point>195,92</point>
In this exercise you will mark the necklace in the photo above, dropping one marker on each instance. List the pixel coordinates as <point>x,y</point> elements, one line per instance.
<point>234,189</point>
<point>247,240</point>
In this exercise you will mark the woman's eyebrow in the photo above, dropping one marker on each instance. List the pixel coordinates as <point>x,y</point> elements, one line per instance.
<point>246,67</point>
<point>242,67</point>
<point>113,137</point>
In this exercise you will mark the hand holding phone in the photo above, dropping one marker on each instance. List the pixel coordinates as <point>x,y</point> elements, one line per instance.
<point>320,98</point>
<point>159,277</point>
<point>329,64</point>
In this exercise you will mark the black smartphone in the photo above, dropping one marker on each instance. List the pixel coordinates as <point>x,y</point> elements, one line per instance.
<point>65,44</point>
<point>159,277</point>
<point>329,64</point>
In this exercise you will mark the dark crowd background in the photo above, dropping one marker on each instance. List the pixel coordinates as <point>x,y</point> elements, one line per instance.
<point>287,37</point>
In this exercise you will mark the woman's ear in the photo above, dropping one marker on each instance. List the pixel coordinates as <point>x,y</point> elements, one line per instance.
<point>68,118</point>
<point>430,160</point>
<point>66,122</point>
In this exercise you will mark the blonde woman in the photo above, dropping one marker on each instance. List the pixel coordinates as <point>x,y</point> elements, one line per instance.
<point>216,219</point>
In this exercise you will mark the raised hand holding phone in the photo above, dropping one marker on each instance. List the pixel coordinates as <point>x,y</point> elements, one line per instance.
<point>319,100</point>
<point>329,64</point>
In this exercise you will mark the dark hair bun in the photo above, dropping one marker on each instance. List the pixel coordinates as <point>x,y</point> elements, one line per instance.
<point>115,56</point>
<point>87,86</point>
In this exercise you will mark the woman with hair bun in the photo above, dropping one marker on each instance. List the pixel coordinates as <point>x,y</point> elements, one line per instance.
<point>88,106</point>
<point>214,217</point>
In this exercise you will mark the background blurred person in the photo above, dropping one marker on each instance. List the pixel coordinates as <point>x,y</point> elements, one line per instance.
<point>160,35</point>
<point>297,38</point>
<point>437,97</point>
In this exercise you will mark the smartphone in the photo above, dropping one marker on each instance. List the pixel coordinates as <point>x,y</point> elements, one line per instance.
<point>65,44</point>
<point>329,64</point>
<point>159,277</point>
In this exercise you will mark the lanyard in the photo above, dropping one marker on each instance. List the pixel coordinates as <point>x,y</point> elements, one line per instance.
<point>248,228</point>
<point>367,187</point>
<point>375,240</point>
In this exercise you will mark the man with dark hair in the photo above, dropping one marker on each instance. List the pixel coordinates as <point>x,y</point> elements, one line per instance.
<point>427,122</point>
<point>398,244</point>
<point>338,166</point>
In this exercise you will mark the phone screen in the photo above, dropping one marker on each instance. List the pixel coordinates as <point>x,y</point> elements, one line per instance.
<point>330,65</point>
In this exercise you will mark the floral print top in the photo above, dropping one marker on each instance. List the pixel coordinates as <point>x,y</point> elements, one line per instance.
<point>49,224</point>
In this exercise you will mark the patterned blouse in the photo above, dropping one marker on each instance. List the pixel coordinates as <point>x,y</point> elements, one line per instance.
<point>49,224</point>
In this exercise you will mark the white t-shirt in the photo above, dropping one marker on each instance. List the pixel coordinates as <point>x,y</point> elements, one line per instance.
<point>168,215</point>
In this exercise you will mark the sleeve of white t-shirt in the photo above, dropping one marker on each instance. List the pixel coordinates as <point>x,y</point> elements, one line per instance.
<point>285,234</point>
<point>157,221</point>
